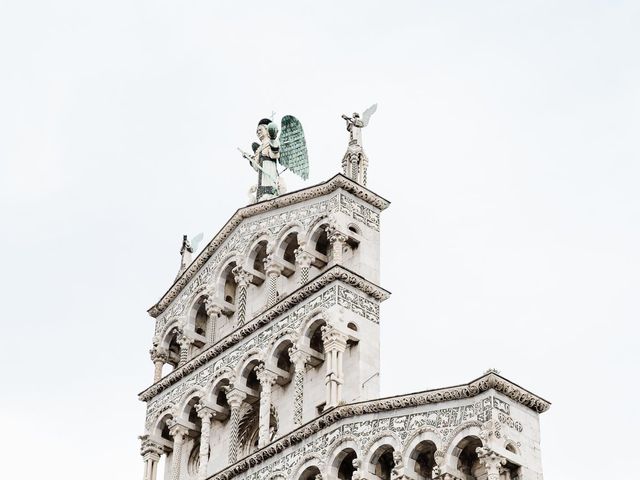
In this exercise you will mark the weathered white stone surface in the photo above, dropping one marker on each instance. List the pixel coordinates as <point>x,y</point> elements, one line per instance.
<point>266,362</point>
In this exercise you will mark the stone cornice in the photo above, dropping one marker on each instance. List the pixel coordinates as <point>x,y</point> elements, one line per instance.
<point>335,273</point>
<point>337,182</point>
<point>480,385</point>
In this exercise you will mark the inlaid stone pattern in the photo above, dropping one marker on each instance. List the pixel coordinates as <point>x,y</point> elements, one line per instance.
<point>335,294</point>
<point>239,241</point>
<point>445,422</point>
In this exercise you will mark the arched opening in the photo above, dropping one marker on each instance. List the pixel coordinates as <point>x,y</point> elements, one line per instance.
<point>219,401</point>
<point>423,456</point>
<point>382,462</point>
<point>193,442</point>
<point>320,241</point>
<point>310,473</point>
<point>286,251</point>
<point>201,323</point>
<point>282,362</point>
<point>258,257</point>
<point>344,463</point>
<point>173,351</point>
<point>256,262</point>
<point>230,285</point>
<point>468,461</point>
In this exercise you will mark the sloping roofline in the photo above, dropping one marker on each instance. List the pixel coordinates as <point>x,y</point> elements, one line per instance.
<point>489,381</point>
<point>321,189</point>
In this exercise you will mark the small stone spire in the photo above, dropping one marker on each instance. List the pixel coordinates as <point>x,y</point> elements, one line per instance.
<point>185,251</point>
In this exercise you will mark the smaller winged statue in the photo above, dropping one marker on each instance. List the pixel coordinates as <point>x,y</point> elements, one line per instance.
<point>289,150</point>
<point>355,124</point>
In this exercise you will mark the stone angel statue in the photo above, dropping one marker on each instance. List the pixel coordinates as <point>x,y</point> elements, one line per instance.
<point>288,150</point>
<point>355,124</point>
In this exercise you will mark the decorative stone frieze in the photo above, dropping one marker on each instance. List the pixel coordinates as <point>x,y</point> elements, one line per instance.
<point>362,204</point>
<point>363,300</point>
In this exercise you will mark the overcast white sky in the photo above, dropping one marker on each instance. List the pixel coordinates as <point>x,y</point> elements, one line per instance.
<point>506,139</point>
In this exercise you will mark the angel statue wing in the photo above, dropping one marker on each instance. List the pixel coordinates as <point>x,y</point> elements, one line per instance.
<point>293,147</point>
<point>366,115</point>
<point>195,241</point>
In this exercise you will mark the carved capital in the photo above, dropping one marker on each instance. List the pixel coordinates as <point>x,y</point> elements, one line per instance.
<point>241,276</point>
<point>333,339</point>
<point>298,358</point>
<point>272,266</point>
<point>177,430</point>
<point>150,449</point>
<point>303,258</point>
<point>158,355</point>
<point>491,461</point>
<point>185,341</point>
<point>266,377</point>
<point>212,307</point>
<point>205,413</point>
<point>235,397</point>
<point>335,236</point>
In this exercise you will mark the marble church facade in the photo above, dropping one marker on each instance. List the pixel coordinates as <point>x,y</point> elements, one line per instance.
<point>266,362</point>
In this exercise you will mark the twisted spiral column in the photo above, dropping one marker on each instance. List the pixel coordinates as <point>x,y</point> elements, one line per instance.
<point>234,399</point>
<point>273,271</point>
<point>178,432</point>
<point>159,358</point>
<point>242,278</point>
<point>185,343</point>
<point>303,263</point>
<point>299,360</point>
<point>214,310</point>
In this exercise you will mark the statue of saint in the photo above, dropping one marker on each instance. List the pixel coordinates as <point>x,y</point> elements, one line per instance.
<point>289,150</point>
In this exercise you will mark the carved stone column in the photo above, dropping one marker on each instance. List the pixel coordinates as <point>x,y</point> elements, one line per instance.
<point>206,414</point>
<point>242,278</point>
<point>303,263</point>
<point>491,461</point>
<point>178,432</point>
<point>234,398</point>
<point>266,378</point>
<point>214,310</point>
<point>299,360</point>
<point>335,343</point>
<point>273,271</point>
<point>337,240</point>
<point>185,343</point>
<point>151,453</point>
<point>159,358</point>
